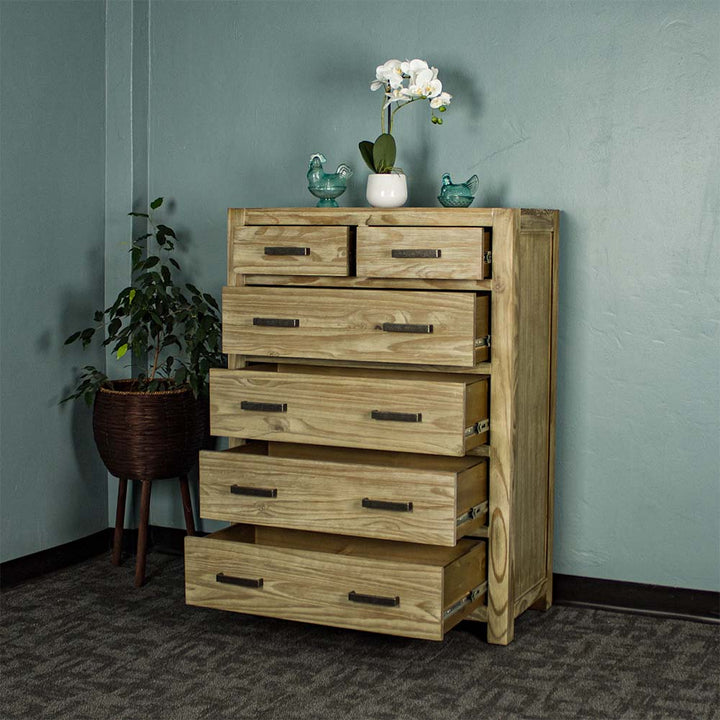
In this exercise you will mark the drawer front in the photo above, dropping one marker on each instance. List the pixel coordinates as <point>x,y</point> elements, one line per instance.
<point>277,250</point>
<point>427,328</point>
<point>378,411</point>
<point>414,499</point>
<point>308,579</point>
<point>453,253</point>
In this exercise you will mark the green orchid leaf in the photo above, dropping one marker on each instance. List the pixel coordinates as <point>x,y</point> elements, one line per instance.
<point>384,152</point>
<point>366,150</point>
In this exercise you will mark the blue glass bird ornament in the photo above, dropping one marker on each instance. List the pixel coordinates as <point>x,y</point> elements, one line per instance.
<point>327,186</point>
<point>457,195</point>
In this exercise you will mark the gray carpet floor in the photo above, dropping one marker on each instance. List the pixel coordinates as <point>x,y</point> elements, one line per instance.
<point>83,644</point>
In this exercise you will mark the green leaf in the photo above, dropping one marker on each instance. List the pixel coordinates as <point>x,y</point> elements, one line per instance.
<point>121,351</point>
<point>152,261</point>
<point>167,230</point>
<point>155,204</point>
<point>366,150</point>
<point>384,152</point>
<point>73,338</point>
<point>211,300</point>
<point>174,263</point>
<point>134,214</point>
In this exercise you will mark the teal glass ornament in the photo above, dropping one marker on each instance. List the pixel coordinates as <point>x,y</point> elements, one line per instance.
<point>457,195</point>
<point>327,186</point>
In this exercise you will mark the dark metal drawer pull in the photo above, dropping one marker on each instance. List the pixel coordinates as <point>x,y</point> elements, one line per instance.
<point>387,505</point>
<point>287,250</point>
<point>242,582</point>
<point>374,599</point>
<point>256,492</point>
<point>416,253</point>
<point>406,328</point>
<point>276,322</point>
<point>395,416</point>
<point>263,407</point>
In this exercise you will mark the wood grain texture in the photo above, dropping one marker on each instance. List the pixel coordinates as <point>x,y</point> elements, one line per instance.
<point>482,368</point>
<point>437,217</point>
<point>459,252</point>
<point>349,325</point>
<point>307,577</point>
<point>503,427</point>
<point>371,283</point>
<point>530,489</point>
<point>326,247</point>
<point>335,409</point>
<point>325,494</point>
<point>547,597</point>
<point>235,221</point>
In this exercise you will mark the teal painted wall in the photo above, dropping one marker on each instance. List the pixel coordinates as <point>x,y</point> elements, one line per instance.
<point>606,110</point>
<point>52,126</point>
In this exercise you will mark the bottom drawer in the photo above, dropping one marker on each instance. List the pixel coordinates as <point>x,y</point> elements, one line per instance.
<point>389,587</point>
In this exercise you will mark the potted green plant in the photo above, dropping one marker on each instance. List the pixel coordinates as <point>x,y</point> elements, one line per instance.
<point>151,426</point>
<point>403,83</point>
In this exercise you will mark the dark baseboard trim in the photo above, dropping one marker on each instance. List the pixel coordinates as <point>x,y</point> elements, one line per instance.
<point>15,572</point>
<point>18,571</point>
<point>629,597</point>
<point>572,590</point>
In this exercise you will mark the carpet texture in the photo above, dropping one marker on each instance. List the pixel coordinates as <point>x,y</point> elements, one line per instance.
<point>84,644</point>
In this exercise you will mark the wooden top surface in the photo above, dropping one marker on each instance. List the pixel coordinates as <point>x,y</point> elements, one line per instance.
<point>530,219</point>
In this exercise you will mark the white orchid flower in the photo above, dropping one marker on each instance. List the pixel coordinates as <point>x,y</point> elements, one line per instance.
<point>395,95</point>
<point>413,67</point>
<point>388,73</point>
<point>426,84</point>
<point>441,100</point>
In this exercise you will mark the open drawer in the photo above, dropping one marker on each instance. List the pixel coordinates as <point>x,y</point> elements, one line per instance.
<point>419,412</point>
<point>415,498</point>
<point>397,326</point>
<point>396,588</point>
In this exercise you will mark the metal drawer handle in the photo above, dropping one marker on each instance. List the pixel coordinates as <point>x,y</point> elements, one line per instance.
<point>406,328</point>
<point>396,416</point>
<point>374,599</point>
<point>387,505</point>
<point>263,407</point>
<point>242,582</point>
<point>416,253</point>
<point>255,492</point>
<point>287,250</point>
<point>276,322</point>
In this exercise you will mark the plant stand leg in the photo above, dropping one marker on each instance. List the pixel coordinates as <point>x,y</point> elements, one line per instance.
<point>187,505</point>
<point>143,533</point>
<point>119,521</point>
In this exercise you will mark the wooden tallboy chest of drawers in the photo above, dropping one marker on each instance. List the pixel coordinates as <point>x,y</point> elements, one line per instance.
<point>390,404</point>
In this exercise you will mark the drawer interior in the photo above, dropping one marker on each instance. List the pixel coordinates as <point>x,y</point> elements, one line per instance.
<point>399,552</point>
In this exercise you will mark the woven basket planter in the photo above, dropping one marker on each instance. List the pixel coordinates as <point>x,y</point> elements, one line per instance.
<point>149,436</point>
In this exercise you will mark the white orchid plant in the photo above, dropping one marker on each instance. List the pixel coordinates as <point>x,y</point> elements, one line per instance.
<point>404,83</point>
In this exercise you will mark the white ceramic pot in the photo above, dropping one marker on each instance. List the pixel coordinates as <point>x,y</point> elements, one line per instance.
<point>387,190</point>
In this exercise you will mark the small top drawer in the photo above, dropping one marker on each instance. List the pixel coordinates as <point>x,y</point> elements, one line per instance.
<point>290,250</point>
<point>447,253</point>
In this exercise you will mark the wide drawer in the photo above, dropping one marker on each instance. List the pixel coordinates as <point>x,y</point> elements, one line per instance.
<point>393,326</point>
<point>422,499</point>
<point>290,250</point>
<point>429,413</point>
<point>396,588</point>
<point>447,253</point>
